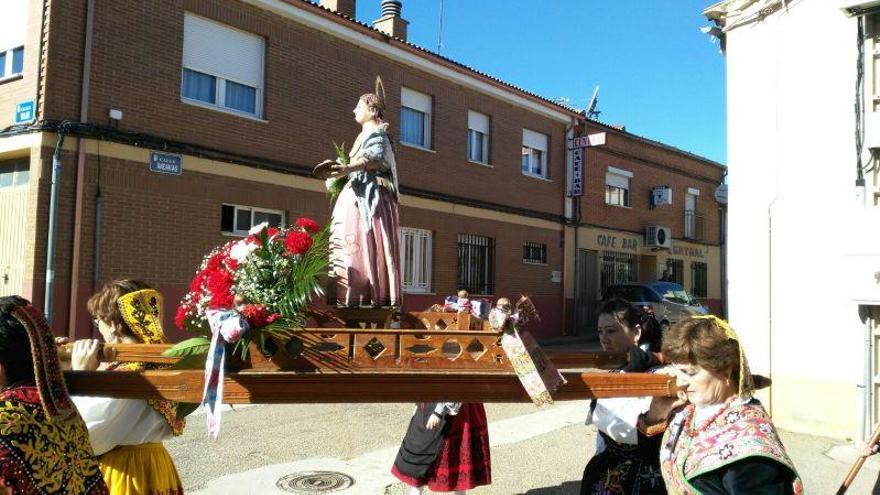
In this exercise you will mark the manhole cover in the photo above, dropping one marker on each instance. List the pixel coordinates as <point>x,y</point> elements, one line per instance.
<point>309,482</point>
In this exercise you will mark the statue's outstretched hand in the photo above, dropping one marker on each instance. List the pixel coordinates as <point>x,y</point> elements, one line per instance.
<point>328,169</point>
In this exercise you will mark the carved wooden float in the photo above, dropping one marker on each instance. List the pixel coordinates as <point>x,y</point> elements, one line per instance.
<point>444,342</point>
<point>442,356</point>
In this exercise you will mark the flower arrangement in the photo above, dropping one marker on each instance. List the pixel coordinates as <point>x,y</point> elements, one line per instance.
<point>252,290</point>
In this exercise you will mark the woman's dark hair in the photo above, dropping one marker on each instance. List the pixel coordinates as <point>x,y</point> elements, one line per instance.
<point>15,346</point>
<point>626,314</point>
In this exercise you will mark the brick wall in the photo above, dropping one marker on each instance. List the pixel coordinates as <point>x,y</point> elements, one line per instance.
<point>157,227</point>
<point>313,81</point>
<point>651,166</point>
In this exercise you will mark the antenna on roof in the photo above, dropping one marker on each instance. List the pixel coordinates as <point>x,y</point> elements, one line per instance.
<point>440,29</point>
<point>591,112</point>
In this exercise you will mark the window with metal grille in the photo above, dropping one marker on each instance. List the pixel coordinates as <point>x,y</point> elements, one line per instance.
<point>534,253</point>
<point>675,271</point>
<point>476,264</point>
<point>618,268</point>
<point>238,220</point>
<point>699,275</point>
<point>415,253</point>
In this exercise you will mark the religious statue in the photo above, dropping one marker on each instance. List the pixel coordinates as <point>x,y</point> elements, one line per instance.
<point>364,242</point>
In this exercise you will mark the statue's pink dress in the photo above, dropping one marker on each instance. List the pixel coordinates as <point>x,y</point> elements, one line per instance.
<point>364,237</point>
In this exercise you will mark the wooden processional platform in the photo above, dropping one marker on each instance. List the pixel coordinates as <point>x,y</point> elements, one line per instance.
<point>355,356</point>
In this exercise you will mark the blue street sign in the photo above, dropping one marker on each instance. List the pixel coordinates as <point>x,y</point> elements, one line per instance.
<point>165,163</point>
<point>24,112</point>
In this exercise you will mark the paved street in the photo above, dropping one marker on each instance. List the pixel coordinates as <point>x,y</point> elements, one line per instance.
<point>534,451</point>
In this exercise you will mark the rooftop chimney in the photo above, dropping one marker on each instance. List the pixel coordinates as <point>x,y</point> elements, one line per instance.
<point>344,7</point>
<point>391,23</point>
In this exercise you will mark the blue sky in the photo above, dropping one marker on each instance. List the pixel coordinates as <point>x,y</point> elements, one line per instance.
<point>659,75</point>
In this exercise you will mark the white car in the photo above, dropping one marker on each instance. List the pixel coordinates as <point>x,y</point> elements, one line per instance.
<point>668,300</point>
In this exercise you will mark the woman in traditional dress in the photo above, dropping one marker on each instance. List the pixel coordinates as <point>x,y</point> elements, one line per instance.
<point>618,466</point>
<point>719,439</point>
<point>446,448</point>
<point>127,434</point>
<point>44,444</point>
<point>365,251</point>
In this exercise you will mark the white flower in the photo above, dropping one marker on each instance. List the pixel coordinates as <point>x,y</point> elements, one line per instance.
<point>241,250</point>
<point>256,229</point>
<point>328,183</point>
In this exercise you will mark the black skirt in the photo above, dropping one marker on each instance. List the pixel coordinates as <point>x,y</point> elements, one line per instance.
<point>622,469</point>
<point>421,446</point>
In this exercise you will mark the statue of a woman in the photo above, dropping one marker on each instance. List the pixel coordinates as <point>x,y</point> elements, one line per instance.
<point>365,248</point>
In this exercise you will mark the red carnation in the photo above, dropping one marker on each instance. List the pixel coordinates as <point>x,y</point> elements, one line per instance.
<point>272,232</point>
<point>297,242</point>
<point>215,261</point>
<point>220,287</point>
<point>258,315</point>
<point>197,281</point>
<point>307,224</point>
<point>180,318</point>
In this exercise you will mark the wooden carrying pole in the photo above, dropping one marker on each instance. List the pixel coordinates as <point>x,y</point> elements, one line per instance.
<point>152,353</point>
<point>857,466</point>
<point>358,387</point>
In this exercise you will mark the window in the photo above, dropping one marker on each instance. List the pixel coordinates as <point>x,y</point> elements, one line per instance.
<point>222,67</point>
<point>534,154</point>
<point>674,271</point>
<point>699,275</point>
<point>534,253</point>
<point>11,62</point>
<point>238,220</point>
<point>415,118</point>
<point>478,137</point>
<point>693,222</point>
<point>415,252</point>
<point>476,264</point>
<point>617,185</point>
<point>18,60</point>
<point>14,174</point>
<point>618,268</point>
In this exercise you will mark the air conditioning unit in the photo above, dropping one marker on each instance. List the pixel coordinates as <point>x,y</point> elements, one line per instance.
<point>658,237</point>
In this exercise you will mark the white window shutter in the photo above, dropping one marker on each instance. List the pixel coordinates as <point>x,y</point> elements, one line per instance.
<point>219,50</point>
<point>13,24</point>
<point>478,122</point>
<point>615,180</point>
<point>415,100</point>
<point>535,140</point>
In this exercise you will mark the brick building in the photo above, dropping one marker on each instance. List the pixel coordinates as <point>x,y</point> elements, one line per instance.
<point>240,98</point>
<point>648,210</point>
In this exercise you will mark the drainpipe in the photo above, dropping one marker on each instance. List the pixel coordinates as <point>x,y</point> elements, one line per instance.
<point>53,220</point>
<point>80,173</point>
<point>40,60</point>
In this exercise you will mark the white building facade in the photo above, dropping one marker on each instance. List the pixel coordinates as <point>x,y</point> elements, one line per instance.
<point>804,240</point>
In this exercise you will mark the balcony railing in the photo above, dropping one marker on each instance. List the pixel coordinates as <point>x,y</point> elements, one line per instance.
<point>693,225</point>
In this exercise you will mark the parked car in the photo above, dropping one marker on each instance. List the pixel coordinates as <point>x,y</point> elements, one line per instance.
<point>668,300</point>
